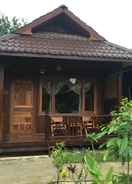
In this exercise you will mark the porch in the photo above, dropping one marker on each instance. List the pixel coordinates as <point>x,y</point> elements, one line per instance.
<point>72,129</point>
<point>76,125</point>
<point>48,101</point>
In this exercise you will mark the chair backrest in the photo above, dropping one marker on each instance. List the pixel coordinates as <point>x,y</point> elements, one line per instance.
<point>57,119</point>
<point>86,118</point>
<point>88,121</point>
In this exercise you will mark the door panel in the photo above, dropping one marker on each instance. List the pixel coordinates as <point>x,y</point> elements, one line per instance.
<point>21,108</point>
<point>22,122</point>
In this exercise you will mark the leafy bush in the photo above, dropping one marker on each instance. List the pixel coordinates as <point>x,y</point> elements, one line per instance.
<point>119,132</point>
<point>93,168</point>
<point>88,165</point>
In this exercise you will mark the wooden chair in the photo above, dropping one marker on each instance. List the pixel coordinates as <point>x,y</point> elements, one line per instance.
<point>88,123</point>
<point>58,127</point>
<point>75,126</point>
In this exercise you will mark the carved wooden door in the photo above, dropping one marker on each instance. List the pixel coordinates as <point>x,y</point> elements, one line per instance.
<point>21,109</point>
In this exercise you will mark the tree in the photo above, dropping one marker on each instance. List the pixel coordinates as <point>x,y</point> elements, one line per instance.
<point>10,25</point>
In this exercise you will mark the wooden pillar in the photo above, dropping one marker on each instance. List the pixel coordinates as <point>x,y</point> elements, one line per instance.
<point>83,98</point>
<point>53,104</point>
<point>95,97</point>
<point>53,109</point>
<point>119,87</point>
<point>1,102</point>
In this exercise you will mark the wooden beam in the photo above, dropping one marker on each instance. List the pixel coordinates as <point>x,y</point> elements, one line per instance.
<point>83,98</point>
<point>1,102</point>
<point>119,86</point>
<point>95,97</point>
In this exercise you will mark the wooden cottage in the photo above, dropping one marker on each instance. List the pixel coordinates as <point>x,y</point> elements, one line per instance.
<point>58,79</point>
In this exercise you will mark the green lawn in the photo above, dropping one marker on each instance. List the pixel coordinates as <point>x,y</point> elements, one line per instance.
<point>76,156</point>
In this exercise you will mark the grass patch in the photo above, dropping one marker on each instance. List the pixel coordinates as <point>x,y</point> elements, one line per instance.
<point>76,156</point>
<point>73,156</point>
<point>122,179</point>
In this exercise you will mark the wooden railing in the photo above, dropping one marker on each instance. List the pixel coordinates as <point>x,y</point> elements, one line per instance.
<point>77,125</point>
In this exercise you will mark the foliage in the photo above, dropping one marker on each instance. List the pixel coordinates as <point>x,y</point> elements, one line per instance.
<point>9,26</point>
<point>60,158</point>
<point>93,168</point>
<point>73,156</point>
<point>57,155</point>
<point>121,179</point>
<point>87,165</point>
<point>119,142</point>
<point>77,156</point>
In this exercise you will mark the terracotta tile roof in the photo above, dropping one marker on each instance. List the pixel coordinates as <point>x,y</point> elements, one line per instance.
<point>55,44</point>
<point>27,42</point>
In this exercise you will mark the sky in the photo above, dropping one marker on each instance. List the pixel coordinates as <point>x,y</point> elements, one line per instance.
<point>110,18</point>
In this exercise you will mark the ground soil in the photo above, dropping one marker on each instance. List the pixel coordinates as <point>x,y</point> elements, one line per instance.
<point>26,170</point>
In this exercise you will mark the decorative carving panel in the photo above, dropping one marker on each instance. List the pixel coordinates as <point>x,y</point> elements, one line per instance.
<point>23,91</point>
<point>22,122</point>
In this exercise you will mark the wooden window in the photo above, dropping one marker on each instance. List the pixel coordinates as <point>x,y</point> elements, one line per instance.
<point>45,100</point>
<point>67,96</point>
<point>89,96</point>
<point>45,97</point>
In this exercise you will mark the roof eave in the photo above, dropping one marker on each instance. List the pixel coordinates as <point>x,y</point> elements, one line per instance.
<point>101,59</point>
